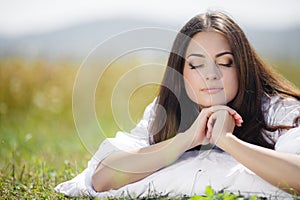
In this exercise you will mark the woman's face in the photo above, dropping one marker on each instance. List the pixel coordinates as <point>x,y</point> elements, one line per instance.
<point>210,74</point>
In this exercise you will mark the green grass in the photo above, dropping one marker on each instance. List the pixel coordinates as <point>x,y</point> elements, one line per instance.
<point>39,143</point>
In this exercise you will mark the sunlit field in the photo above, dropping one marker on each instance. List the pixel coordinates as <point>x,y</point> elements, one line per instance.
<point>40,146</point>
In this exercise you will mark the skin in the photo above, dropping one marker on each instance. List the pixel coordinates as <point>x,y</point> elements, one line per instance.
<point>210,74</point>
<point>117,169</point>
<point>280,169</point>
<point>215,123</point>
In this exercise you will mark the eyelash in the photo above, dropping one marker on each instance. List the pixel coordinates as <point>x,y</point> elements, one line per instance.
<point>229,64</point>
<point>194,67</point>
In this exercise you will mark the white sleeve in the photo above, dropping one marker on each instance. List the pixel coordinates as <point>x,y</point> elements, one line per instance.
<point>136,139</point>
<point>281,111</point>
<point>289,142</point>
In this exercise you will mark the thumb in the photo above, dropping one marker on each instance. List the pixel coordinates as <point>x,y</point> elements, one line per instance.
<point>210,124</point>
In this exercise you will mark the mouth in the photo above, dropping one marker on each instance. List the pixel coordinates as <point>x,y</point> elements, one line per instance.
<point>212,90</point>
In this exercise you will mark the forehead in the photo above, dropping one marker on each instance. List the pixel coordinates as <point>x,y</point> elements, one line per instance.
<point>208,43</point>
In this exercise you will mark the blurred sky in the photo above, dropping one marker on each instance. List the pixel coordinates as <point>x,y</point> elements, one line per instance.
<point>28,16</point>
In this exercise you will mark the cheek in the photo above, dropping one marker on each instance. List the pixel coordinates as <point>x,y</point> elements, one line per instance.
<point>191,84</point>
<point>232,84</point>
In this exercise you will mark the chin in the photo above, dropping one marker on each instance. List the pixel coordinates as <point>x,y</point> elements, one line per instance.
<point>206,103</point>
<point>209,104</point>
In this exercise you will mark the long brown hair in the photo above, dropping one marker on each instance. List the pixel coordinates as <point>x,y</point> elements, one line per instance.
<point>254,76</point>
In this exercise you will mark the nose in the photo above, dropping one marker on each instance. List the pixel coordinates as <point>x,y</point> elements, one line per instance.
<point>212,73</point>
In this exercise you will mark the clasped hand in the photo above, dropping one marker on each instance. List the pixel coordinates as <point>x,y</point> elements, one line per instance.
<point>212,125</point>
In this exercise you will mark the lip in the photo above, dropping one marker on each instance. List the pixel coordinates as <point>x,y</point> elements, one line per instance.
<point>212,90</point>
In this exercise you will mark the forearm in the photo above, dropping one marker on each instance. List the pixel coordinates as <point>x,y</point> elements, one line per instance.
<point>278,168</point>
<point>122,168</point>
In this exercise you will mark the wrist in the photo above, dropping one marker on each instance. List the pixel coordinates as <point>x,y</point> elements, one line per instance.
<point>226,142</point>
<point>185,142</point>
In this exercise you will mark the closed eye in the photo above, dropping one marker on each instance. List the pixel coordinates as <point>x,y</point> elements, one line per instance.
<point>229,64</point>
<point>195,66</point>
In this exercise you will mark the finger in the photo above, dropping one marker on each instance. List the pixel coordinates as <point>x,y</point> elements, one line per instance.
<point>210,125</point>
<point>209,130</point>
<point>238,117</point>
<point>232,112</point>
<point>211,140</point>
<point>222,107</point>
<point>208,134</point>
<point>238,122</point>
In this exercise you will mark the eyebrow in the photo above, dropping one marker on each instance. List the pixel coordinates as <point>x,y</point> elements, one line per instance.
<point>218,55</point>
<point>196,54</point>
<point>223,53</point>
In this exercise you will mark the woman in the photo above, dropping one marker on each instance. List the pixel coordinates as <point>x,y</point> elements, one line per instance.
<point>215,90</point>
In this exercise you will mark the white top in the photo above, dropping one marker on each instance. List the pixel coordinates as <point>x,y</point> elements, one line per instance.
<point>194,170</point>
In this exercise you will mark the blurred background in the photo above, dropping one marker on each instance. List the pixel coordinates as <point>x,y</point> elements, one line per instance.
<point>44,43</point>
